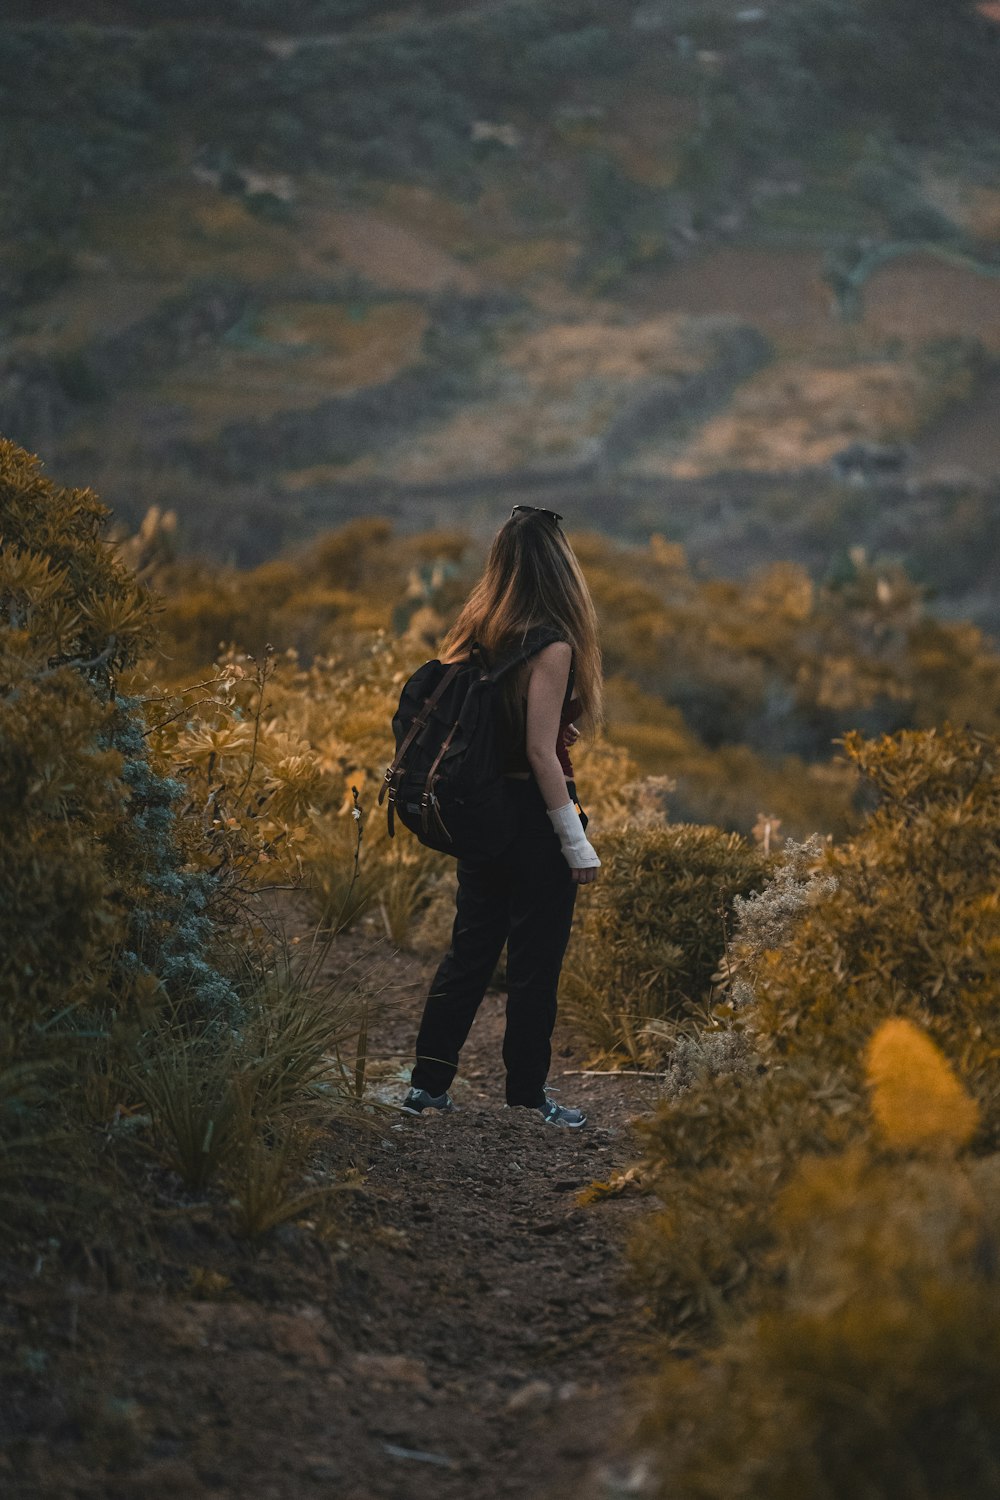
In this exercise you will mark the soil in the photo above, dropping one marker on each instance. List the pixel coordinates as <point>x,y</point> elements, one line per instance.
<point>461,1326</point>
<point>387,253</point>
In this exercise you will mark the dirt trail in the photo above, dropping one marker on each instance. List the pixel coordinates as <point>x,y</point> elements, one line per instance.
<point>465,1330</point>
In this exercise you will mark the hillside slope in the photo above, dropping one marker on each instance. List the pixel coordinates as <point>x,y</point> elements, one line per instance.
<point>291,258</point>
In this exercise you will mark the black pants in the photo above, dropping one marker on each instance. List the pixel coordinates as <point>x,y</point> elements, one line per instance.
<point>525,898</point>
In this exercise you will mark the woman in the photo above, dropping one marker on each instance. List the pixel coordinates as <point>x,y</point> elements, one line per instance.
<point>525,896</point>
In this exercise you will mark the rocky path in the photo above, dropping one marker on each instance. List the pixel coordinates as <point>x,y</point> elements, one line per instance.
<point>464,1328</point>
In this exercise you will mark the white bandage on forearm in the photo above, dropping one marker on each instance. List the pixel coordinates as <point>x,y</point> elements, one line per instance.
<point>579,853</point>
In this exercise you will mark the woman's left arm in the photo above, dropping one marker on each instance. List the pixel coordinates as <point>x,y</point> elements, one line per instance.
<point>546,695</point>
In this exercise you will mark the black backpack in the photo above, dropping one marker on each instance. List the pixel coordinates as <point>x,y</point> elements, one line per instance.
<point>446,782</point>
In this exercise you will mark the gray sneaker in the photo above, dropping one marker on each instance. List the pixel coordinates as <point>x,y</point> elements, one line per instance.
<point>561,1114</point>
<point>417,1100</point>
<point>555,1114</point>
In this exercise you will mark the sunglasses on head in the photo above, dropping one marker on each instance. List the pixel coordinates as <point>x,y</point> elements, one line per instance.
<point>537,510</point>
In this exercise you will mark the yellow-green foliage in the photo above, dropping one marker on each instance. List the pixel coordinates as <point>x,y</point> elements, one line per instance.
<point>917,1101</point>
<point>247,1108</point>
<point>727,653</point>
<point>70,619</point>
<point>717,1154</point>
<point>821,1194</point>
<point>875,1370</point>
<point>729,783</point>
<point>737,691</point>
<point>345,585</point>
<point>256,787</point>
<point>902,924</point>
<point>650,935</point>
<point>343,707</point>
<point>136,826</point>
<point>276,785</point>
<point>913,927</point>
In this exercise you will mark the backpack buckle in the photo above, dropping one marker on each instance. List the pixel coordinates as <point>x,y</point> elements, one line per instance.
<point>429,806</point>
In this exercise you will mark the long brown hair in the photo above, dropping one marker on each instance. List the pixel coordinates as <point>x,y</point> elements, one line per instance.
<point>532,577</point>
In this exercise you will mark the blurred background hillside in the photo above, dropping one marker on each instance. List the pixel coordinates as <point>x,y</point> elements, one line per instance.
<point>727,273</point>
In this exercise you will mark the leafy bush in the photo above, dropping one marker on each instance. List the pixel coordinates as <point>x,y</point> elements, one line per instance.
<point>820,1190</point>
<point>651,934</point>
<point>717,1153</point>
<point>739,691</point>
<point>736,691</point>
<point>873,1368</point>
<point>899,922</point>
<point>133,847</point>
<point>71,619</point>
<point>913,927</point>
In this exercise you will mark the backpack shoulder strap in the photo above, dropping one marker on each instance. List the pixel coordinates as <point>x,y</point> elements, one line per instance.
<point>419,720</point>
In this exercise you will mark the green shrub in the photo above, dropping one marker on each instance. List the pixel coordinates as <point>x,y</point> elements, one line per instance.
<point>100,921</point>
<point>873,1367</point>
<point>717,1153</point>
<point>913,927</point>
<point>130,859</point>
<point>652,931</point>
<point>899,922</point>
<point>70,620</point>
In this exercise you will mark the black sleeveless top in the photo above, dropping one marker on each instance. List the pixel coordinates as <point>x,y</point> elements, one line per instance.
<point>514,751</point>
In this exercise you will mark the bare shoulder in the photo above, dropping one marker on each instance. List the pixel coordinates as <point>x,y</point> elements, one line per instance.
<point>552,663</point>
